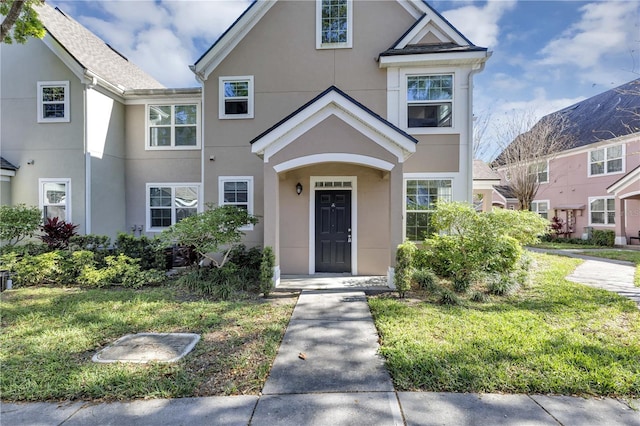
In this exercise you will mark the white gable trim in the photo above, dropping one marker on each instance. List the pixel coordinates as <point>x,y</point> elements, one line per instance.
<point>333,158</point>
<point>623,184</point>
<point>332,103</point>
<point>470,58</point>
<point>431,22</point>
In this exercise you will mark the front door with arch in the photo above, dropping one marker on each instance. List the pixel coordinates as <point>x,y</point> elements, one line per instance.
<point>333,230</point>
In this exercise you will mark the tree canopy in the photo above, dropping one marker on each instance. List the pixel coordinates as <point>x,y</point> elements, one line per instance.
<point>20,21</point>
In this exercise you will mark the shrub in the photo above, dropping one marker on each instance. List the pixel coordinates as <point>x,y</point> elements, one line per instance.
<point>480,297</point>
<point>149,252</point>
<point>404,269</point>
<point>41,269</point>
<point>248,263</point>
<point>18,222</point>
<point>57,233</point>
<point>425,278</point>
<point>604,238</point>
<point>501,284</point>
<point>120,269</point>
<point>447,297</point>
<point>266,270</point>
<point>91,242</point>
<point>220,283</point>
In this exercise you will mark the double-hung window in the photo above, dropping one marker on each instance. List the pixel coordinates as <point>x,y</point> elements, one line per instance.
<point>430,101</point>
<point>602,211</point>
<point>53,102</point>
<point>541,170</point>
<point>173,126</point>
<point>422,195</point>
<point>607,160</point>
<point>236,97</point>
<point>169,203</point>
<point>236,191</point>
<point>55,196</point>
<point>541,207</point>
<point>334,20</point>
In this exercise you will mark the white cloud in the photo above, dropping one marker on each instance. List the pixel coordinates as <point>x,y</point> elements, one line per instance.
<point>480,24</point>
<point>604,28</point>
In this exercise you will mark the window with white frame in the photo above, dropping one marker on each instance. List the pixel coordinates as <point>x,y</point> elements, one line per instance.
<point>421,196</point>
<point>173,126</point>
<point>53,102</point>
<point>430,101</point>
<point>334,20</point>
<point>55,196</point>
<point>236,191</point>
<point>606,160</point>
<point>541,170</point>
<point>169,203</point>
<point>541,207</point>
<point>236,97</point>
<point>602,211</point>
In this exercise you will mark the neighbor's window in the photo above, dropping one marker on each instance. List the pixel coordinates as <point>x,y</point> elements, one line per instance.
<point>236,191</point>
<point>334,22</point>
<point>606,160</point>
<point>541,207</point>
<point>173,126</point>
<point>236,97</point>
<point>421,198</point>
<point>54,198</point>
<point>168,204</point>
<point>53,102</point>
<point>602,211</point>
<point>541,170</point>
<point>429,101</point>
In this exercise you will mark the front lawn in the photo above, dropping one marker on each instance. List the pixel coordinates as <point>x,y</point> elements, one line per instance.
<point>49,335</point>
<point>553,336</point>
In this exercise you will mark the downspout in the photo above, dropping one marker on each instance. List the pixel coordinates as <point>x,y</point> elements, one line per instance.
<point>470,124</point>
<point>87,159</point>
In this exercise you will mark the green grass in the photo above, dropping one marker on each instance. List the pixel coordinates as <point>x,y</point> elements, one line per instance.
<point>632,256</point>
<point>552,337</point>
<point>49,335</point>
<point>559,245</point>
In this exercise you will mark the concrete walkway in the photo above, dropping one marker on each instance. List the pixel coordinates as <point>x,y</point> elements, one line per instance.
<point>328,372</point>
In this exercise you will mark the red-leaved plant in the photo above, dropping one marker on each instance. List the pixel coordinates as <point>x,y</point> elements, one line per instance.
<point>57,233</point>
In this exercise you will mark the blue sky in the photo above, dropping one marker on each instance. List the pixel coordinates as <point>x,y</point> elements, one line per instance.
<point>546,54</point>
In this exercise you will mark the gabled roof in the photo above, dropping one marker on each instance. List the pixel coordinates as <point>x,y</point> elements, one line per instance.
<point>482,171</point>
<point>334,101</point>
<point>5,165</point>
<point>91,53</point>
<point>505,191</point>
<point>626,186</point>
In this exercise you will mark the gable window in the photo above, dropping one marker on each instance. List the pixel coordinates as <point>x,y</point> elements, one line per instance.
<point>236,191</point>
<point>429,100</point>
<point>541,207</point>
<point>236,97</point>
<point>173,126</point>
<point>54,198</point>
<point>169,203</point>
<point>53,102</point>
<point>606,160</point>
<point>602,211</point>
<point>334,22</point>
<point>421,196</point>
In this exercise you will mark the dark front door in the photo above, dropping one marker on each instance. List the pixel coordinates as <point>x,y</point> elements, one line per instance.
<point>333,231</point>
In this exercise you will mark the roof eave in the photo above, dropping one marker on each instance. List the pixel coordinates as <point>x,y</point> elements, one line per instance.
<point>472,58</point>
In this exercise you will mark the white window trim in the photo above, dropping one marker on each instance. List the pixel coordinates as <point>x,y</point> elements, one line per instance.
<point>250,101</point>
<point>538,173</point>
<point>604,148</point>
<point>67,94</point>
<point>609,225</point>
<point>172,185</point>
<point>346,45</point>
<point>67,203</point>
<point>354,217</point>
<point>403,105</point>
<point>538,202</point>
<point>147,138</point>
<point>425,176</point>
<point>250,194</point>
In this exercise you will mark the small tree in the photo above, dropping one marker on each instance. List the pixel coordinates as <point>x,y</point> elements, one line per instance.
<point>530,145</point>
<point>211,232</point>
<point>18,222</point>
<point>57,233</point>
<point>20,16</point>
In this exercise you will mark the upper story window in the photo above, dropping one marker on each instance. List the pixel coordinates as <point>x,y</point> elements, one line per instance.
<point>607,160</point>
<point>169,203</point>
<point>173,126</point>
<point>541,171</point>
<point>55,196</point>
<point>430,101</point>
<point>334,24</point>
<point>236,97</point>
<point>53,102</point>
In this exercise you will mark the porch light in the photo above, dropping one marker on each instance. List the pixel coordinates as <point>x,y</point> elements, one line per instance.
<point>298,188</point>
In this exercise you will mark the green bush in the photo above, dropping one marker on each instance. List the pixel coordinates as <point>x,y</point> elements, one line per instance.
<point>44,268</point>
<point>266,271</point>
<point>447,297</point>
<point>604,237</point>
<point>425,278</point>
<point>404,267</point>
<point>248,263</point>
<point>91,242</point>
<point>219,283</point>
<point>18,222</point>
<point>120,269</point>
<point>150,252</point>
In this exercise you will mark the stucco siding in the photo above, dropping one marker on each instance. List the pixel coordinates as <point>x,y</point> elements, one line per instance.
<point>435,153</point>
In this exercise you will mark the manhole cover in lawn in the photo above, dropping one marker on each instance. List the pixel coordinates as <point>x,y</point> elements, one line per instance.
<point>148,347</point>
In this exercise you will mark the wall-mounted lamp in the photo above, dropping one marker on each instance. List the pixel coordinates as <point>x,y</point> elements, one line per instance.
<point>31,162</point>
<point>299,188</point>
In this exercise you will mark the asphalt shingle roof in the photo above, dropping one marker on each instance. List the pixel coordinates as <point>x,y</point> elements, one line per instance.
<point>93,53</point>
<point>7,165</point>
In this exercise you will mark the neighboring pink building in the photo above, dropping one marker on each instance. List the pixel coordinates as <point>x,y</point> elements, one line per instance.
<point>595,184</point>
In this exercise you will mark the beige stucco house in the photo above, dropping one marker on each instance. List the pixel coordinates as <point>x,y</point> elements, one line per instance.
<point>339,123</point>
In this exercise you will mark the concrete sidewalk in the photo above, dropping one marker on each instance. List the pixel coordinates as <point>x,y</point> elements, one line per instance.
<point>340,381</point>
